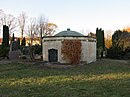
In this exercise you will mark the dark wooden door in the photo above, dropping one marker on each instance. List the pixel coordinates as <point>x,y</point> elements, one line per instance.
<point>53,55</point>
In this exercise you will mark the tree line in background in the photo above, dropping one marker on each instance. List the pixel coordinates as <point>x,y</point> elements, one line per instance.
<point>24,24</point>
<point>27,26</point>
<point>120,48</point>
<point>116,46</point>
<point>32,28</point>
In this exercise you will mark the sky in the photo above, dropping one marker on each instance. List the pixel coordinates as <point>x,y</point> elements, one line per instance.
<point>79,15</point>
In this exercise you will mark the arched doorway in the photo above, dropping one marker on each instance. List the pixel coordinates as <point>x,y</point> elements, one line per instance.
<point>53,55</point>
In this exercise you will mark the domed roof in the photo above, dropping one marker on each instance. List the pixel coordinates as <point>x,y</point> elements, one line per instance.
<point>68,32</point>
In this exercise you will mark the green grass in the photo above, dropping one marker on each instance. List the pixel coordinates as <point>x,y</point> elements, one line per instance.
<point>106,78</point>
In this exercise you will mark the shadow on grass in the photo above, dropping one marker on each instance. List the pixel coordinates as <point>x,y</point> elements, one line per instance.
<point>93,80</point>
<point>69,86</point>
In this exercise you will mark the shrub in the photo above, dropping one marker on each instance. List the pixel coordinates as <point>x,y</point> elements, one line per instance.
<point>115,53</point>
<point>37,49</point>
<point>25,50</point>
<point>4,51</point>
<point>23,57</point>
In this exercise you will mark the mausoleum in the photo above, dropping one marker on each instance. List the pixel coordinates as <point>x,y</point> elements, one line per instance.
<point>69,47</point>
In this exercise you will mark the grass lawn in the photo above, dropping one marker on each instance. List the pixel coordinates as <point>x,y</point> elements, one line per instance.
<point>106,78</point>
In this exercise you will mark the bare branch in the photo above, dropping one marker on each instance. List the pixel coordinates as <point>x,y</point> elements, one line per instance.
<point>31,29</point>
<point>9,20</point>
<point>22,19</point>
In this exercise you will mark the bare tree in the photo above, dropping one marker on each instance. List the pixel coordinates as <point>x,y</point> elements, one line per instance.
<point>8,20</point>
<point>30,34</point>
<point>1,14</point>
<point>41,26</point>
<point>31,30</point>
<point>44,28</point>
<point>50,29</point>
<point>22,19</point>
<point>108,39</point>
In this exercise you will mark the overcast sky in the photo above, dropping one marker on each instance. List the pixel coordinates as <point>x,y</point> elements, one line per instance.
<point>75,14</point>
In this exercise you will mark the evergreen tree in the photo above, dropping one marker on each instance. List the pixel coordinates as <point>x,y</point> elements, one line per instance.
<point>116,37</point>
<point>13,37</point>
<point>23,43</point>
<point>5,36</point>
<point>100,41</point>
<point>18,41</point>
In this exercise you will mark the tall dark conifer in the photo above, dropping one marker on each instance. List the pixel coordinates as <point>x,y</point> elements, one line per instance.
<point>13,37</point>
<point>5,35</point>
<point>18,41</point>
<point>100,41</point>
<point>23,43</point>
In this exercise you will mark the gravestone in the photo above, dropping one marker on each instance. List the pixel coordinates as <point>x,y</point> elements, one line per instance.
<point>14,50</point>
